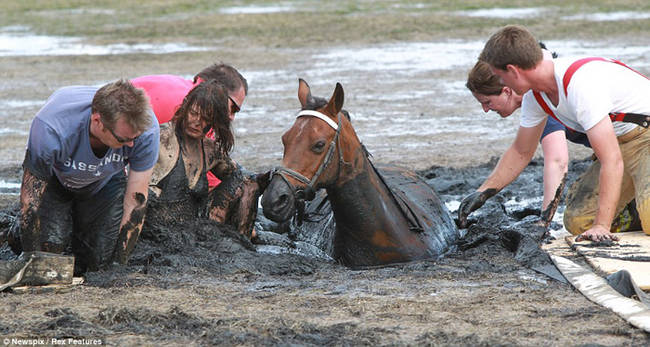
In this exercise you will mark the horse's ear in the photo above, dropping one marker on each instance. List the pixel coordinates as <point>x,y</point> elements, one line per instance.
<point>335,104</point>
<point>304,92</point>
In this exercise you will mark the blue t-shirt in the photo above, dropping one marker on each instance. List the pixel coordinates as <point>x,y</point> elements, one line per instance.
<point>59,144</point>
<point>553,125</point>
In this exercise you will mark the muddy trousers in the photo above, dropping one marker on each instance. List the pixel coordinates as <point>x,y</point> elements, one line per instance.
<point>85,225</point>
<point>582,198</point>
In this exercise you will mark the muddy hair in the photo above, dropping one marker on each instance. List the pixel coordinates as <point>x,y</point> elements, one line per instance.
<point>210,98</point>
<point>224,74</point>
<point>121,99</point>
<point>481,80</point>
<point>512,45</point>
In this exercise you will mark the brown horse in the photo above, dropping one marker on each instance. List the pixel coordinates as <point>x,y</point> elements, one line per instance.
<point>382,218</point>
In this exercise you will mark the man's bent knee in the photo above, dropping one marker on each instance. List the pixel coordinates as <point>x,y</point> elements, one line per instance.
<point>643,207</point>
<point>577,224</point>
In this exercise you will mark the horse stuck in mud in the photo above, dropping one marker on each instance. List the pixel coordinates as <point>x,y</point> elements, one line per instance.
<point>383,216</point>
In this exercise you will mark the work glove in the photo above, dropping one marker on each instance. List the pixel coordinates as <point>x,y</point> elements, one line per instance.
<point>472,203</point>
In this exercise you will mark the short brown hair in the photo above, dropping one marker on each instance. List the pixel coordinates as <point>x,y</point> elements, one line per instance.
<point>210,99</point>
<point>224,74</point>
<point>481,80</point>
<point>512,45</point>
<point>121,99</point>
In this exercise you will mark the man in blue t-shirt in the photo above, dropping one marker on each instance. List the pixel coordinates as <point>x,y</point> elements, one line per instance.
<point>76,193</point>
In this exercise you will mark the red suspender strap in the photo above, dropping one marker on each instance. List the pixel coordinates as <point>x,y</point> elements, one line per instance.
<point>641,120</point>
<point>547,109</point>
<point>575,66</point>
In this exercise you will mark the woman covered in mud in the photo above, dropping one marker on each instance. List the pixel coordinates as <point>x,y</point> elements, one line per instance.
<point>179,187</point>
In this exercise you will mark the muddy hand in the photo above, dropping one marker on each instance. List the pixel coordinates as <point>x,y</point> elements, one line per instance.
<point>263,180</point>
<point>472,203</point>
<point>597,233</point>
<point>547,215</point>
<point>130,231</point>
<point>223,168</point>
<point>252,188</point>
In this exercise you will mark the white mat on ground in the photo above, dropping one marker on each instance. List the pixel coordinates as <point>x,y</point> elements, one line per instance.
<point>596,289</point>
<point>631,253</point>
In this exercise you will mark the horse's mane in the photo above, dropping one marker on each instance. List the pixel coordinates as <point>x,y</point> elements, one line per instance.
<point>316,102</point>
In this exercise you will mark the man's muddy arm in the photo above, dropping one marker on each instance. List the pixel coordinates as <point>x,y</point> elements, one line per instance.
<point>31,195</point>
<point>135,206</point>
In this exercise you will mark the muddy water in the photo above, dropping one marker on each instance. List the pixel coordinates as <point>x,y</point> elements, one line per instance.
<point>198,284</point>
<point>407,100</point>
<point>201,283</point>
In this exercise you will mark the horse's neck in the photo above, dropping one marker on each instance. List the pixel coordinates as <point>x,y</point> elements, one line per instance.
<point>362,199</point>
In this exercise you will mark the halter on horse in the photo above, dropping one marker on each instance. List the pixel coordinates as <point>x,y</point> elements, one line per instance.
<point>382,217</point>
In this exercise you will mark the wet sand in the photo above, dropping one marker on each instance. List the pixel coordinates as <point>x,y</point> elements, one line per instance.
<point>198,284</point>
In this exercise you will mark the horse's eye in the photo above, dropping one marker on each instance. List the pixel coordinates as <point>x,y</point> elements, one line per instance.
<point>318,147</point>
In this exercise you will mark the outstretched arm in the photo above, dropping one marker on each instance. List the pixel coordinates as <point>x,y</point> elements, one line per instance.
<point>31,195</point>
<point>511,164</point>
<point>515,159</point>
<point>135,204</point>
<point>603,141</point>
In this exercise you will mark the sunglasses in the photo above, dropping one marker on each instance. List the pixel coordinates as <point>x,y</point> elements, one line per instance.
<point>119,138</point>
<point>234,108</point>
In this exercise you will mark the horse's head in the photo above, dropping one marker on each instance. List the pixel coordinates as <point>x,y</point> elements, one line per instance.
<point>312,154</point>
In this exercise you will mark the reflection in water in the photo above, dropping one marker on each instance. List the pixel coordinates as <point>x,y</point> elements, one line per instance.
<point>257,9</point>
<point>409,93</point>
<point>609,16</point>
<point>15,42</point>
<point>529,12</point>
<point>9,188</point>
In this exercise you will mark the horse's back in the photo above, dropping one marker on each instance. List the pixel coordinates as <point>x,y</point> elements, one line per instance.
<point>426,213</point>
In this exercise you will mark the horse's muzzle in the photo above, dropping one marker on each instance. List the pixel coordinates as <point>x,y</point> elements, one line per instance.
<point>278,201</point>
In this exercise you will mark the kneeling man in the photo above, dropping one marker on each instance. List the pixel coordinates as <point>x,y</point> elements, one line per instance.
<point>86,173</point>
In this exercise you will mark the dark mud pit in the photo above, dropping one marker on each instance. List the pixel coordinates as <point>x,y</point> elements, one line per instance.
<point>201,283</point>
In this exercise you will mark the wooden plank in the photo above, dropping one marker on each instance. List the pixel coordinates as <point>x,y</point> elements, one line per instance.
<point>50,288</point>
<point>631,253</point>
<point>48,268</point>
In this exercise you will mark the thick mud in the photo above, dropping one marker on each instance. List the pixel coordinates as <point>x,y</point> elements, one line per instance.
<point>202,283</point>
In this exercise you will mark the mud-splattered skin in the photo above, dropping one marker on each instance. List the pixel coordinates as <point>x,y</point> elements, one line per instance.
<point>181,196</point>
<point>130,231</point>
<point>549,212</point>
<point>372,229</point>
<point>198,156</point>
<point>31,192</point>
<point>235,200</point>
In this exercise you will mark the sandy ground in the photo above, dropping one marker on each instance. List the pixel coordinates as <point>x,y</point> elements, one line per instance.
<point>198,284</point>
<point>479,296</point>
